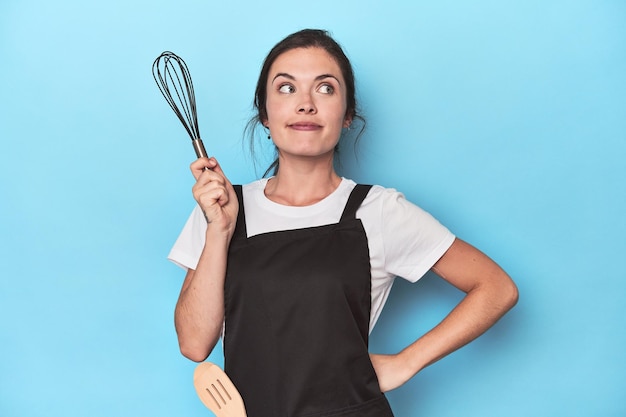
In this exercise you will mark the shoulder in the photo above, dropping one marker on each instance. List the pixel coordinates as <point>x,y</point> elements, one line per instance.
<point>383,200</point>
<point>405,240</point>
<point>387,210</point>
<point>254,186</point>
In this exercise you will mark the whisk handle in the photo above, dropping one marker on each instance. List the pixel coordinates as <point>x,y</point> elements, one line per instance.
<point>198,146</point>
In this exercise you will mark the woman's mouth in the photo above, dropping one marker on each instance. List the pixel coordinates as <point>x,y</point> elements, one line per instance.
<point>304,126</point>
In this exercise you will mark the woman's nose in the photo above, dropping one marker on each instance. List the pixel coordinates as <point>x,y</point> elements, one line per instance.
<point>307,106</point>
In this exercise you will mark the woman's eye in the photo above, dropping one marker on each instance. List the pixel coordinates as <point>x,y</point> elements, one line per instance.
<point>326,89</point>
<point>286,88</point>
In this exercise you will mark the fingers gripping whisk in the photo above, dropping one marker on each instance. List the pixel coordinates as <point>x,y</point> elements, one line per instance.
<point>172,77</point>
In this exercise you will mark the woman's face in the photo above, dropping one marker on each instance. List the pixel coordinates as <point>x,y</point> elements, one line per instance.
<point>306,103</point>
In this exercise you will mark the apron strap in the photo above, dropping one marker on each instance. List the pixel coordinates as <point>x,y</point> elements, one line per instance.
<point>240,228</point>
<point>357,196</point>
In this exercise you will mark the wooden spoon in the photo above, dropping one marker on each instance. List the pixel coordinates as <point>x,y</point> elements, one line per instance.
<point>217,392</point>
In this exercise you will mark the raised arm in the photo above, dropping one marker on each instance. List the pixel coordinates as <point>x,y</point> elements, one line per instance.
<point>200,308</point>
<point>490,293</point>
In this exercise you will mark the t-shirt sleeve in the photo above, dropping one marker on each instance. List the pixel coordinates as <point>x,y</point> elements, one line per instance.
<point>188,247</point>
<point>413,240</point>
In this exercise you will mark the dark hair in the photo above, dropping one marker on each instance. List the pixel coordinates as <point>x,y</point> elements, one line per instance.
<point>306,38</point>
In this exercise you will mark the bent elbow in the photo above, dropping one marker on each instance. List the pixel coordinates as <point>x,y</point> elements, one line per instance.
<point>194,354</point>
<point>196,348</point>
<point>510,295</point>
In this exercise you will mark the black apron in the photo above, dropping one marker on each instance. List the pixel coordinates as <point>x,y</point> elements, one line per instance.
<point>297,313</point>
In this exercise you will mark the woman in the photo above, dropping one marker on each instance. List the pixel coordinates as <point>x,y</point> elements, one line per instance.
<point>295,268</point>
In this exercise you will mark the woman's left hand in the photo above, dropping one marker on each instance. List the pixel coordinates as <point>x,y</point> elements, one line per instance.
<point>391,371</point>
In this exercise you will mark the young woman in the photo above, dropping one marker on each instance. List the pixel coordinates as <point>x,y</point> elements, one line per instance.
<point>293,270</point>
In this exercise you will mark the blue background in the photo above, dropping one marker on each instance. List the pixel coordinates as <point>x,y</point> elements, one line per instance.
<point>506,120</point>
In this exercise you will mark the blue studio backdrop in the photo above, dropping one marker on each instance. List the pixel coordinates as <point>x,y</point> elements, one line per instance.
<point>506,120</point>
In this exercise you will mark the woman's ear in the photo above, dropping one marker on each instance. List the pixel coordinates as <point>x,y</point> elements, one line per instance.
<point>347,122</point>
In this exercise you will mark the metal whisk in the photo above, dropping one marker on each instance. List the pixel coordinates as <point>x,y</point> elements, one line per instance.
<point>174,81</point>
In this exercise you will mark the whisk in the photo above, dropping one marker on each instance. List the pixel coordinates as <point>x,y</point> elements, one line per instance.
<point>174,81</point>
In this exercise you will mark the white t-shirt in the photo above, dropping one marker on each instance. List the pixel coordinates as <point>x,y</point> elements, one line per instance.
<point>403,239</point>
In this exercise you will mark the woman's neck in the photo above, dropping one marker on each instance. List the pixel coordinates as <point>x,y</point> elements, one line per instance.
<point>302,184</point>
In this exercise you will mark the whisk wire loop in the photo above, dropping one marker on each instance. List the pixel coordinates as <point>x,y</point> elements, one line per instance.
<point>172,77</point>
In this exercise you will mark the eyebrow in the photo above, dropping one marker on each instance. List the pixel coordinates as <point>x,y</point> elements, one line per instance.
<point>318,78</point>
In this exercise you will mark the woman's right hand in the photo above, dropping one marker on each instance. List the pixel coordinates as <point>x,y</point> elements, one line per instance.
<point>215,195</point>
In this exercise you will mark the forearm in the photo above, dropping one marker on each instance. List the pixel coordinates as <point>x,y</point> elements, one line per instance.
<point>480,309</point>
<point>199,313</point>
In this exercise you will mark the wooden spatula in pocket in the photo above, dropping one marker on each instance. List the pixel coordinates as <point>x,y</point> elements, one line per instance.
<point>217,392</point>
